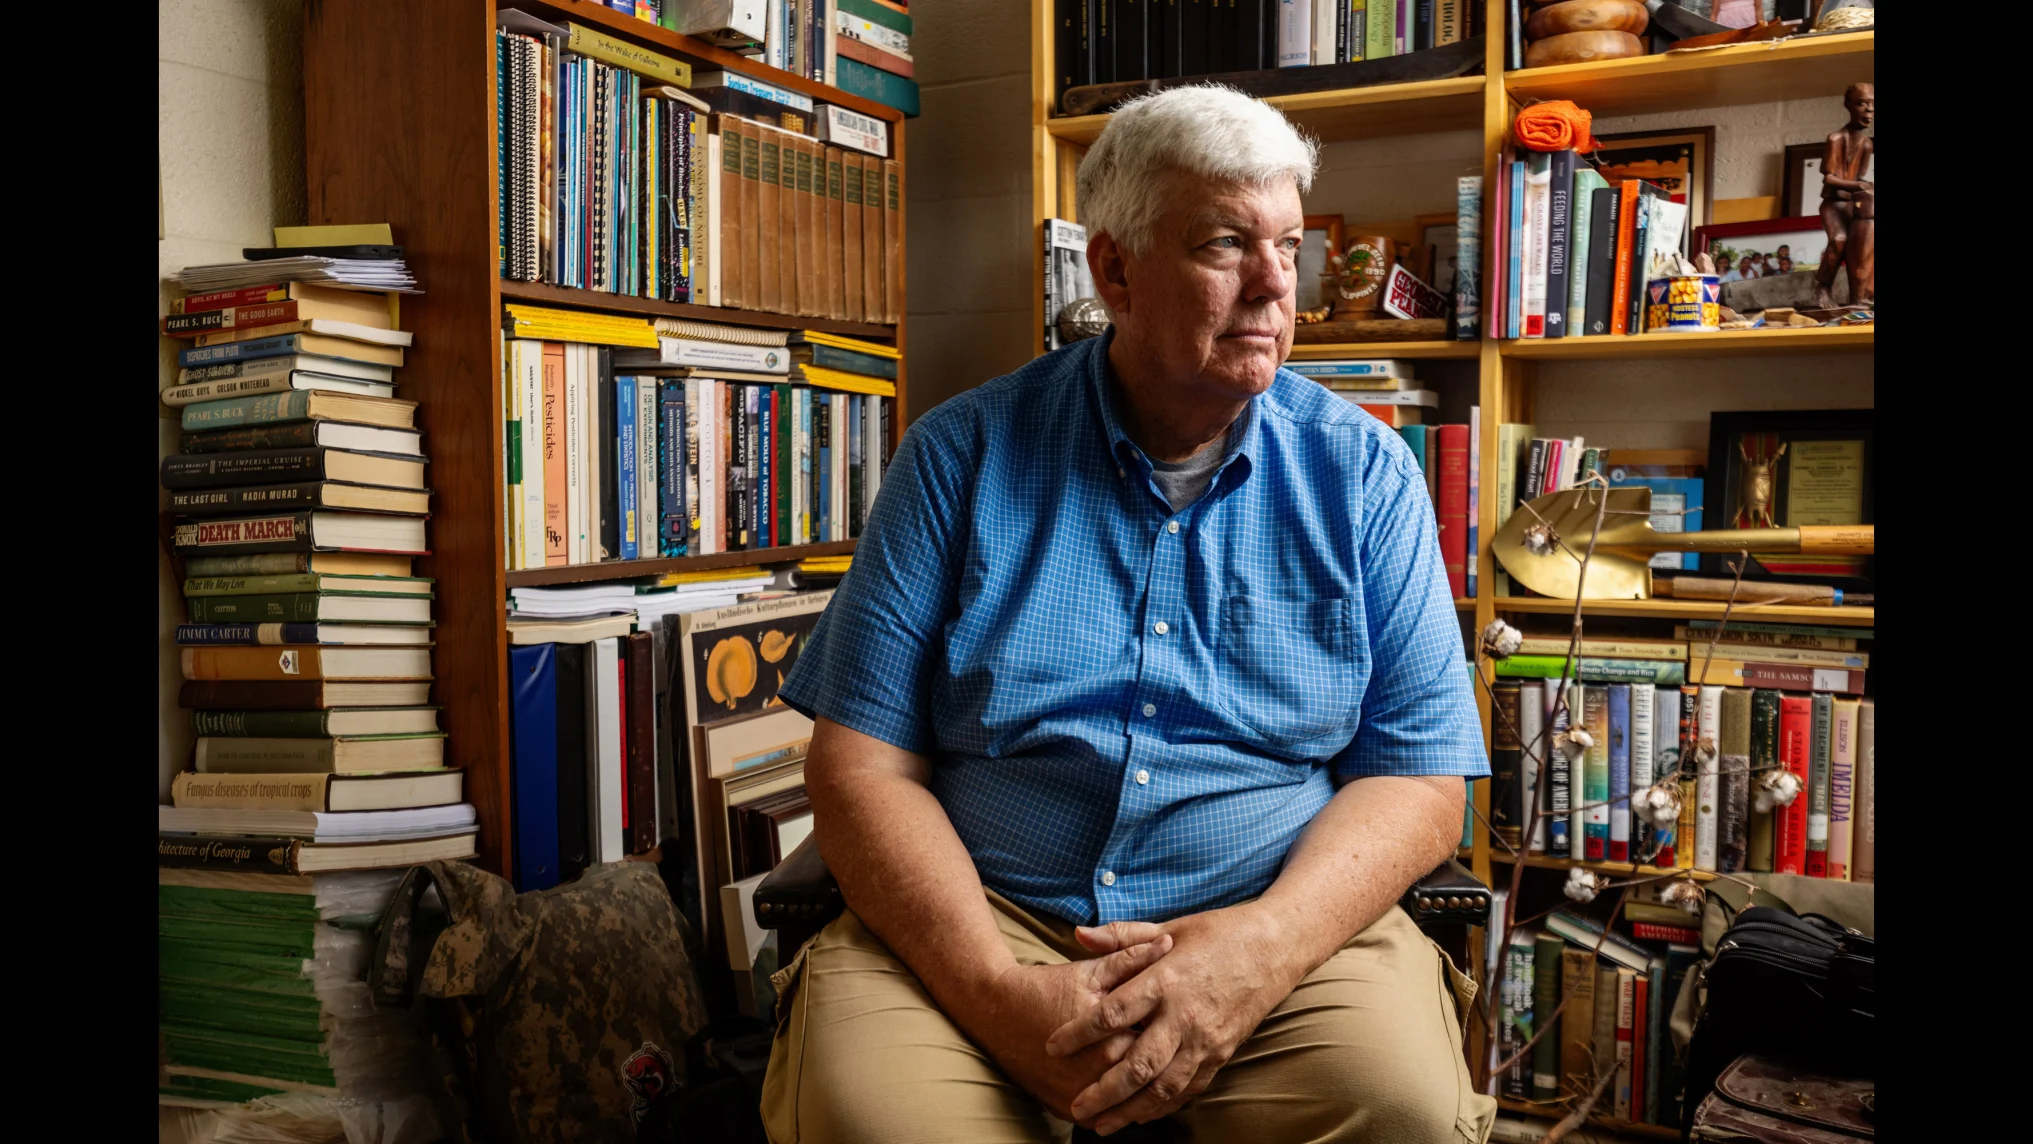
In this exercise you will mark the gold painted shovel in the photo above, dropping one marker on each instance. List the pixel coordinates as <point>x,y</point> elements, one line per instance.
<point>1620,570</point>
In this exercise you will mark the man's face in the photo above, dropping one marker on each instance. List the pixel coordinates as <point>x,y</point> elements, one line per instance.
<point>1212,299</point>
<point>1785,265</point>
<point>1861,101</point>
<point>1785,251</point>
<point>1744,263</point>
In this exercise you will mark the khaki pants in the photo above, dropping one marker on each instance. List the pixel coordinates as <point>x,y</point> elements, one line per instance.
<point>1367,1048</point>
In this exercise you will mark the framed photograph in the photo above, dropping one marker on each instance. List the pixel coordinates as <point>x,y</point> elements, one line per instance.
<point>1439,251</point>
<point>1681,162</point>
<point>1785,468</point>
<point>1802,193</point>
<point>1322,231</point>
<point>1763,248</point>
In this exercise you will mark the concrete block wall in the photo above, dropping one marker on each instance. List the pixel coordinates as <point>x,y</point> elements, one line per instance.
<point>230,141</point>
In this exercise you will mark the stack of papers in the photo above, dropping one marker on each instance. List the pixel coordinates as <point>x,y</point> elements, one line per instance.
<point>649,601</point>
<point>391,274</point>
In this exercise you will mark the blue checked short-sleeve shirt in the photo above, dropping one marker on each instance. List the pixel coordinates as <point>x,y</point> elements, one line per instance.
<point>1132,712</point>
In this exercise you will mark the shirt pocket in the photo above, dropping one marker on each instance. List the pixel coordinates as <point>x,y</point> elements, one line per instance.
<point>1287,667</point>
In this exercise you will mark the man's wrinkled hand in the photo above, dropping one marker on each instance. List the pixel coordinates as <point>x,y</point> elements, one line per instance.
<point>1196,1006</point>
<point>1012,1019</point>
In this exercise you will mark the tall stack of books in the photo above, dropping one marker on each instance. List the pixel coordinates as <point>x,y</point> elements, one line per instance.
<point>1448,455</point>
<point>625,172</point>
<point>297,503</point>
<point>686,438</point>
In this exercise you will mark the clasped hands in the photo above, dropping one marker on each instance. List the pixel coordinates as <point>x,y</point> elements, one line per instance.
<point>1132,1035</point>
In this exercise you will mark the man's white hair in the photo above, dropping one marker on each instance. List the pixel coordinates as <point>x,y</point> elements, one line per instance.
<point>1208,130</point>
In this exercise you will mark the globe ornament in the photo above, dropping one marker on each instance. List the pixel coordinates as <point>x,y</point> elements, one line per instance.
<point>1082,318</point>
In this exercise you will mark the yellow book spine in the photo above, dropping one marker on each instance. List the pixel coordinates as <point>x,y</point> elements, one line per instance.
<point>848,382</point>
<point>855,344</point>
<point>622,54</point>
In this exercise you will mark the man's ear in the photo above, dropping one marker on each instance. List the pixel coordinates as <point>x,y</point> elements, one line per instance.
<point>1109,265</point>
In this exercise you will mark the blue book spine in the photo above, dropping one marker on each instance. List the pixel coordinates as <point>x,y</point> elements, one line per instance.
<point>851,405</point>
<point>1655,1044</point>
<point>763,506</point>
<point>624,467</point>
<point>533,714</point>
<point>1559,782</point>
<point>673,535</point>
<point>1415,439</point>
<point>238,351</point>
<point>1620,772</point>
<point>1515,245</point>
<point>246,633</point>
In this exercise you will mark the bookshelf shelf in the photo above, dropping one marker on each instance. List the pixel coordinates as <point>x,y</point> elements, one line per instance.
<point>1624,1127</point>
<point>550,295</point>
<point>1695,610</point>
<point>1499,857</point>
<point>630,569</point>
<point>1464,603</point>
<point>698,53</point>
<point>1811,339</point>
<point>1318,351</point>
<point>1347,113</point>
<point>1799,68</point>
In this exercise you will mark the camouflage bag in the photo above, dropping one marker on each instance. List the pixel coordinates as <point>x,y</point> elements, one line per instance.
<point>562,1014</point>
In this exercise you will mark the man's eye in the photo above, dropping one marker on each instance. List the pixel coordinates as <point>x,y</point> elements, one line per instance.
<point>1227,242</point>
<point>1289,244</point>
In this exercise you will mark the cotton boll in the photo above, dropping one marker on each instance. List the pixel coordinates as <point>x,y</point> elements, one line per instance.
<point>1776,788</point>
<point>1659,804</point>
<point>1540,539</point>
<point>1704,751</point>
<point>1500,640</point>
<point>1583,885</point>
<point>1577,742</point>
<point>1684,894</point>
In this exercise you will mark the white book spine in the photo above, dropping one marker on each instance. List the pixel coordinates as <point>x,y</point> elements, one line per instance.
<point>840,407</point>
<point>1666,752</point>
<point>603,770</point>
<point>575,477</point>
<point>709,468</point>
<point>530,375</point>
<point>649,522</point>
<point>1326,17</point>
<point>706,246</point>
<point>1708,775</point>
<point>1531,732</point>
<point>1538,195</point>
<point>871,454</point>
<point>1295,33</point>
<point>722,355</point>
<point>773,38</point>
<point>1641,764</point>
<point>511,500</point>
<point>1577,820</point>
<point>1627,1034</point>
<point>801,443</point>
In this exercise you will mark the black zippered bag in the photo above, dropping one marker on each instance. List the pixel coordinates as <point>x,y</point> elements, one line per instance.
<point>1785,985</point>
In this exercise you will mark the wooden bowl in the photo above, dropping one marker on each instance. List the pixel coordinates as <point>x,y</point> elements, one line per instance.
<point>1568,16</point>
<point>1582,47</point>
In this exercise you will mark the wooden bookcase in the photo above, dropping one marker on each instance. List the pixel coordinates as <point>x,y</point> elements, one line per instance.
<point>399,128</point>
<point>1510,374</point>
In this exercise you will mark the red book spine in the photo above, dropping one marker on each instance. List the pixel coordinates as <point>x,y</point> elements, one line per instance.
<point>1453,508</point>
<point>1620,298</point>
<point>1801,677</point>
<point>224,299</point>
<point>853,49</point>
<point>1796,727</point>
<point>1652,931</point>
<point>229,318</point>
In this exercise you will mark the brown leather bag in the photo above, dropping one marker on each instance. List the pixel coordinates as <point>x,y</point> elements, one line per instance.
<point>1770,1101</point>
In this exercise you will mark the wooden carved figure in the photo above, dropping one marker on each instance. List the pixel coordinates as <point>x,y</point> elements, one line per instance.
<point>1847,203</point>
<point>1754,505</point>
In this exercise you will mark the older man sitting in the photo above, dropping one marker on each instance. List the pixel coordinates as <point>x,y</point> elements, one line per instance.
<point>1143,704</point>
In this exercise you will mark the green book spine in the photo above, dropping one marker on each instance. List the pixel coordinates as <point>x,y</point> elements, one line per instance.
<point>1595,669</point>
<point>295,606</point>
<point>1656,1043</point>
<point>785,471</point>
<point>1817,785</point>
<point>1764,757</point>
<point>260,409</point>
<point>857,78</point>
<point>251,585</point>
<point>877,14</point>
<point>1546,998</point>
<point>1586,183</point>
<point>262,724</point>
<point>1380,31</point>
<point>1595,774</point>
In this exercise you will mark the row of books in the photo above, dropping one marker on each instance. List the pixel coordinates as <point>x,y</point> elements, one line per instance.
<point>1618,1007</point>
<point>1448,455</point>
<point>622,454</point>
<point>612,183</point>
<point>1112,41</point>
<point>860,46</point>
<point>1574,253</point>
<point>1644,733</point>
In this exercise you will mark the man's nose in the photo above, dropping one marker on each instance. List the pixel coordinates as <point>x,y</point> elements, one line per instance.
<point>1271,276</point>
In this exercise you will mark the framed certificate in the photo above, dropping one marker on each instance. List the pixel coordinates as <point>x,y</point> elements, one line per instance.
<point>1785,468</point>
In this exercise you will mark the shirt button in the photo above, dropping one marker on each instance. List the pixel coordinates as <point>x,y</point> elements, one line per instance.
<point>1121,474</point>
<point>1143,777</point>
<point>1172,526</point>
<point>1150,709</point>
<point>1108,877</point>
<point>1161,627</point>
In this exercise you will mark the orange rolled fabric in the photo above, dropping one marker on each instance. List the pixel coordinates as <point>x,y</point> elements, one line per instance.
<point>1554,126</point>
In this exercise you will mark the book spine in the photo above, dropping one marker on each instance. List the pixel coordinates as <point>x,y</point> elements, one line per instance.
<point>1690,709</point>
<point>1626,1020</point>
<point>229,318</point>
<point>1517,1017</point>
<point>1657,1045</point>
<point>1506,802</point>
<point>1665,767</point>
<point>1620,772</point>
<point>764,522</point>
<point>260,855</point>
<point>1471,561</point>
<point>262,724</point>
<point>1514,247</point>
<point>1468,247</point>
<point>1595,775</point>
<point>1561,839</point>
<point>626,495</point>
<point>1863,857</point>
<point>1581,206</point>
<point>247,634</point>
<point>1532,770</point>
<point>1620,290</point>
<point>1796,732</point>
<point>263,409</point>
<point>1708,778</point>
<point>1538,238</point>
<point>1559,241</point>
<point>738,436</point>
<point>181,471</point>
<point>1380,30</point>
<point>272,564</point>
<point>290,532</point>
<point>298,607</point>
<point>294,435</point>
<point>1643,708</point>
<point>1453,506</point>
<point>1764,757</point>
<point>672,515</point>
<point>1577,990</point>
<point>214,502</point>
<point>1545,1072</point>
<point>1604,211</point>
<point>1733,808</point>
<point>1803,677</point>
<point>1652,931</point>
<point>240,351</point>
<point>1641,236</point>
<point>1819,761</point>
<point>227,299</point>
